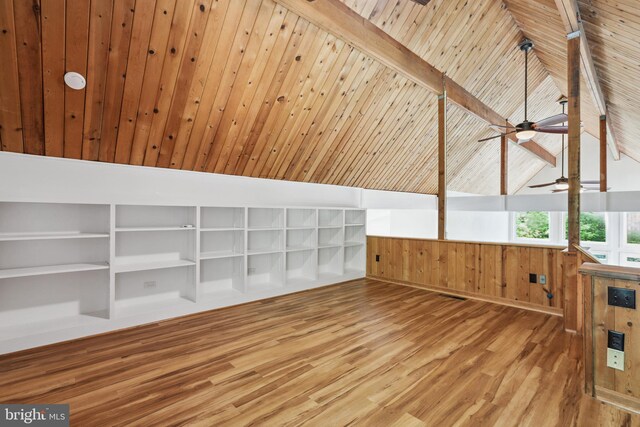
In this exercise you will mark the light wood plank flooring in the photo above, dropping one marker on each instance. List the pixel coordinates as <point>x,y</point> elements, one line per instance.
<point>359,353</point>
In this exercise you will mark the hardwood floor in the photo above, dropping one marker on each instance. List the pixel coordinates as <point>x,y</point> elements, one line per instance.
<point>359,353</point>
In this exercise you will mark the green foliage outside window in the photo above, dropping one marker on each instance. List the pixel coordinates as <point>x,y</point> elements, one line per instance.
<point>593,227</point>
<point>532,225</point>
<point>633,228</point>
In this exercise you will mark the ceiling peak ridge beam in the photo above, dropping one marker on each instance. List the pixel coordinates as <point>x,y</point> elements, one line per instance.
<point>338,19</point>
<point>570,15</point>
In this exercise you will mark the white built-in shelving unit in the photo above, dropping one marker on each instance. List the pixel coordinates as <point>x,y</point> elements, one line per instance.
<point>71,270</point>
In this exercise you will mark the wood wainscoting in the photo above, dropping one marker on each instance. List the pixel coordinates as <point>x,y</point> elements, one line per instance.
<point>487,271</point>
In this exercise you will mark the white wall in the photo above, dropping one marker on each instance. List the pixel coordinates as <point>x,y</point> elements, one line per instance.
<point>622,175</point>
<point>478,226</point>
<point>50,179</point>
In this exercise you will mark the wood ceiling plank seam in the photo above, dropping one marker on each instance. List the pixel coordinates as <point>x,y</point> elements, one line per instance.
<point>97,53</point>
<point>186,75</point>
<point>399,23</point>
<point>205,84</point>
<point>302,146</point>
<point>152,81</point>
<point>119,43</point>
<point>53,54</point>
<point>305,122</point>
<point>281,55</point>
<point>310,43</point>
<point>333,61</point>
<point>339,135</point>
<point>364,130</point>
<point>76,56</point>
<point>295,85</point>
<point>28,48</point>
<point>412,142</point>
<point>385,160</point>
<point>228,75</point>
<point>456,38</point>
<point>10,113</point>
<point>142,81</point>
<point>271,50</point>
<point>252,129</point>
<point>407,171</point>
<point>205,104</point>
<point>181,24</point>
<point>330,140</point>
<point>377,146</point>
<point>312,147</point>
<point>381,97</point>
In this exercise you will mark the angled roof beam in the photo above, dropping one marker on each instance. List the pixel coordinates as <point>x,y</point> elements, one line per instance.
<point>570,14</point>
<point>338,19</point>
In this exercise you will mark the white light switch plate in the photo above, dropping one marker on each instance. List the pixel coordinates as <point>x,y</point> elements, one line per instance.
<point>615,359</point>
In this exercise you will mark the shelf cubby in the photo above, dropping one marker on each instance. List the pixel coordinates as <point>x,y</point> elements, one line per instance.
<point>264,241</point>
<point>330,217</point>
<point>150,290</point>
<point>301,218</point>
<point>40,221</point>
<point>354,235</point>
<point>153,250</point>
<point>264,271</point>
<point>32,305</point>
<point>212,218</point>
<point>330,237</point>
<point>221,244</point>
<point>154,218</point>
<point>222,277</point>
<point>354,259</point>
<point>301,239</point>
<point>301,267</point>
<point>330,262</point>
<point>354,217</point>
<point>265,218</point>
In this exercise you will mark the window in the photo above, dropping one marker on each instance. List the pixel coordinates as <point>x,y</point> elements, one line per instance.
<point>632,228</point>
<point>593,227</point>
<point>632,260</point>
<point>532,225</point>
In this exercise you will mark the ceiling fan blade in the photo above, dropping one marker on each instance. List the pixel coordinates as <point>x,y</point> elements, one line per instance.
<point>553,129</point>
<point>496,136</point>
<point>550,121</point>
<point>542,185</point>
<point>558,191</point>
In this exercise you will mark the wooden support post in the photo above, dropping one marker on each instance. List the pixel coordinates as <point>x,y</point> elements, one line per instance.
<point>573,81</point>
<point>572,311</point>
<point>504,166</point>
<point>442,166</point>
<point>603,154</point>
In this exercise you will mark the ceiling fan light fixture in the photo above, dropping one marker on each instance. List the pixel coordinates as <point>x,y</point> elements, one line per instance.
<point>562,186</point>
<point>525,135</point>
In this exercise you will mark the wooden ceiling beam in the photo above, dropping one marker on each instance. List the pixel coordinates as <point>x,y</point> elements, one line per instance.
<point>570,14</point>
<point>338,19</point>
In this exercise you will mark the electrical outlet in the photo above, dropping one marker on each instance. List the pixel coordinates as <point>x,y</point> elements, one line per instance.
<point>543,279</point>
<point>150,285</point>
<point>615,359</point>
<point>621,297</point>
<point>251,270</point>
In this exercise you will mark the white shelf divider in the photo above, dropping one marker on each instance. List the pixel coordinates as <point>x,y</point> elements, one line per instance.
<point>9,273</point>
<point>151,265</point>
<point>55,235</point>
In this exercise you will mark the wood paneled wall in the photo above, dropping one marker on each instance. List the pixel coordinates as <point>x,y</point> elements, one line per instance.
<point>489,271</point>
<point>619,387</point>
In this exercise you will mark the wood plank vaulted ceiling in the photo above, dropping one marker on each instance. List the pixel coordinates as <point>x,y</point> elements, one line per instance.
<point>249,88</point>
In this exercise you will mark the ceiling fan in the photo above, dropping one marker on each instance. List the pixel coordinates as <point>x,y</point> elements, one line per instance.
<point>562,183</point>
<point>526,130</point>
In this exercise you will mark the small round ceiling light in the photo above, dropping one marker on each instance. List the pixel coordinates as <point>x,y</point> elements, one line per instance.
<point>75,80</point>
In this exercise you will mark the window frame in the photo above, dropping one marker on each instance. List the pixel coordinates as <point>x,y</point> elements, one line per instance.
<point>514,234</point>
<point>607,232</point>
<point>624,245</point>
